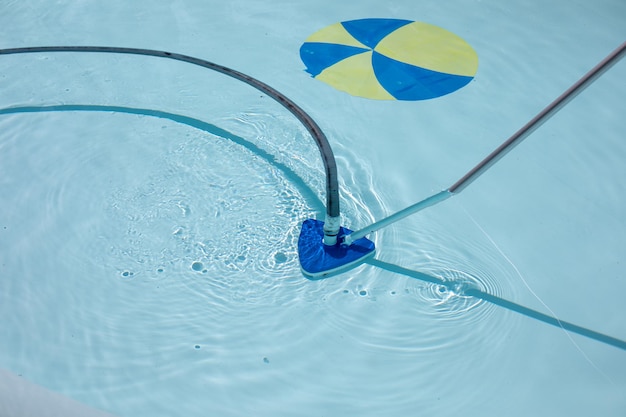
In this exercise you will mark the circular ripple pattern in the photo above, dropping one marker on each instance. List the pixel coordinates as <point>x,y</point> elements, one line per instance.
<point>185,239</point>
<point>145,202</point>
<point>449,297</point>
<point>219,216</point>
<point>173,238</point>
<point>411,304</point>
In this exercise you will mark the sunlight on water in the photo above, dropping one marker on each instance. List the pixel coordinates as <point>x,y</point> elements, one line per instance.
<point>151,210</point>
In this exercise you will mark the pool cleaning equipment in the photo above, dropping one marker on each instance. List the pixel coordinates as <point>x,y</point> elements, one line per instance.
<point>318,246</point>
<point>324,247</point>
<point>495,156</point>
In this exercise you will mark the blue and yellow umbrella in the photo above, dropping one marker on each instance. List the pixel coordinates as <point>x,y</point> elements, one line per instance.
<point>389,59</point>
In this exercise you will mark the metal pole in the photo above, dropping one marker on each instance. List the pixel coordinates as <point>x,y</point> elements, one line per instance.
<point>495,156</point>
<point>539,119</point>
<point>427,202</point>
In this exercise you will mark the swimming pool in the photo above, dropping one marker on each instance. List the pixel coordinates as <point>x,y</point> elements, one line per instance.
<point>148,238</point>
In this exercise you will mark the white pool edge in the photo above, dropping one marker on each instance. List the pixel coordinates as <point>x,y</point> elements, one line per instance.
<point>21,398</point>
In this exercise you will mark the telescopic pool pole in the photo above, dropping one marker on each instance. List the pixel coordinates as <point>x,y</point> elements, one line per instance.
<point>502,150</point>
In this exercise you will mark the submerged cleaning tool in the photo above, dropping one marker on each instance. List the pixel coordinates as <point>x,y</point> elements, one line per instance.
<point>495,156</point>
<point>320,260</point>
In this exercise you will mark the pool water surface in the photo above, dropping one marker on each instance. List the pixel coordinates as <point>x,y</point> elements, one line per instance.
<point>151,211</point>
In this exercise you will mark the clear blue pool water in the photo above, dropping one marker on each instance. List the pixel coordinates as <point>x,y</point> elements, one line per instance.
<point>148,266</point>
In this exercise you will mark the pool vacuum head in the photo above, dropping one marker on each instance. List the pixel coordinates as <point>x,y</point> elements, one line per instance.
<point>319,260</point>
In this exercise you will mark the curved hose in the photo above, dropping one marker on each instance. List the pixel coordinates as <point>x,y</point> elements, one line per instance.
<point>330,166</point>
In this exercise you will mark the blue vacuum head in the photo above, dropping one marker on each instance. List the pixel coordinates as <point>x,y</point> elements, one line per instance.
<point>318,260</point>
